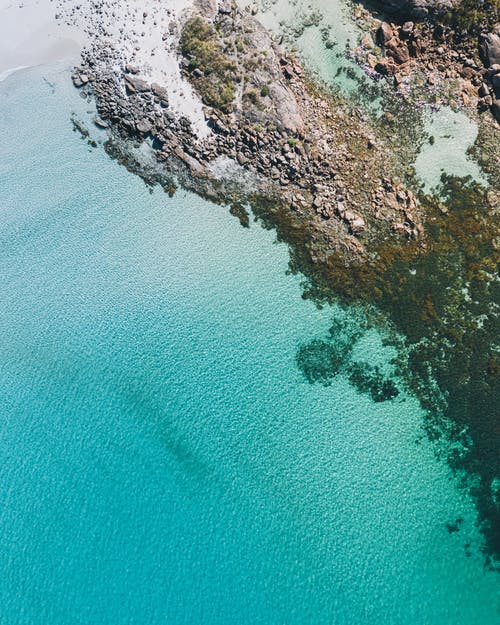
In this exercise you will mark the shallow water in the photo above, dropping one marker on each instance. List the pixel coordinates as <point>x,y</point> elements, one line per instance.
<point>163,459</point>
<point>453,133</point>
<point>322,32</point>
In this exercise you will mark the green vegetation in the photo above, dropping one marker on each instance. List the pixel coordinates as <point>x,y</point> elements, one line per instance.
<point>240,46</point>
<point>216,77</point>
<point>264,91</point>
<point>473,16</point>
<point>252,95</point>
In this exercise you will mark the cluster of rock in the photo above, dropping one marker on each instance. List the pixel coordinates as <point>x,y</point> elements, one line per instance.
<point>407,49</point>
<point>403,204</point>
<point>490,87</point>
<point>400,42</point>
<point>294,149</point>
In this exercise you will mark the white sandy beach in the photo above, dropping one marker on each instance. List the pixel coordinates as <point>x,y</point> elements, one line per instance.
<point>144,32</point>
<point>31,35</point>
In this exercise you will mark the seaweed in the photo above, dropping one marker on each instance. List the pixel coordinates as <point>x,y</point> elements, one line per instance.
<point>442,298</point>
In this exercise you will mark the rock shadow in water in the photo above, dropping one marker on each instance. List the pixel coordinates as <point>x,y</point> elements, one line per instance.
<point>321,360</point>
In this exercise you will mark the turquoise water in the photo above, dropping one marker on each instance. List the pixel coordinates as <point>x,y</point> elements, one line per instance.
<point>453,134</point>
<point>322,32</point>
<point>163,459</point>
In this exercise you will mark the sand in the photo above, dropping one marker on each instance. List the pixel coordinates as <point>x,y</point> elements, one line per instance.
<point>30,35</point>
<point>143,32</point>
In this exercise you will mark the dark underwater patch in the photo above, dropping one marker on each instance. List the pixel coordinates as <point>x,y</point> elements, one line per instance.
<point>241,213</point>
<point>321,360</point>
<point>368,379</point>
<point>454,527</point>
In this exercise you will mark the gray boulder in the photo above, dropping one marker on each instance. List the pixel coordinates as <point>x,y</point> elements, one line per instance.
<point>490,49</point>
<point>208,8</point>
<point>135,84</point>
<point>495,81</point>
<point>496,110</point>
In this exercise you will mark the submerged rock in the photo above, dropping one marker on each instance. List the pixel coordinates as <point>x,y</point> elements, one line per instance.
<point>417,9</point>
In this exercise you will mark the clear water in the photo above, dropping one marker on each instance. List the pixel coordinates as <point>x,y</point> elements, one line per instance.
<point>163,460</point>
<point>453,134</point>
<point>322,31</point>
<point>324,34</point>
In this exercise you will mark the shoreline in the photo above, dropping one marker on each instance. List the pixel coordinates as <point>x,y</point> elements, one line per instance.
<point>30,36</point>
<point>227,113</point>
<point>12,70</point>
<point>281,129</point>
<point>336,185</point>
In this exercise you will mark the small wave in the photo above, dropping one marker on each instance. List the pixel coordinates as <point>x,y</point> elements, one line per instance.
<point>5,74</point>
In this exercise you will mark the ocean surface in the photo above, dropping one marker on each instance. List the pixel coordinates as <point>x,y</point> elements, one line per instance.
<point>163,458</point>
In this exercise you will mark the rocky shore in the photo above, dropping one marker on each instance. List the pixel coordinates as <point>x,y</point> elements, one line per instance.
<point>424,56</point>
<point>263,117</point>
<point>321,161</point>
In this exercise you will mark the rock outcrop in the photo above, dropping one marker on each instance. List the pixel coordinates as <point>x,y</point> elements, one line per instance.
<point>266,124</point>
<point>489,47</point>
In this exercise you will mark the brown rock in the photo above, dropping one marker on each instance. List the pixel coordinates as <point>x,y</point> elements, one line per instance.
<point>384,33</point>
<point>406,30</point>
<point>486,102</point>
<point>384,67</point>
<point>400,54</point>
<point>484,90</point>
<point>393,43</point>
<point>367,42</point>
<point>467,72</point>
<point>415,47</point>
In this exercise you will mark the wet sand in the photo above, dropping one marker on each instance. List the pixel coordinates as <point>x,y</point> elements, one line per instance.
<point>31,35</point>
